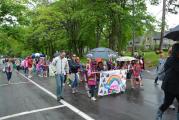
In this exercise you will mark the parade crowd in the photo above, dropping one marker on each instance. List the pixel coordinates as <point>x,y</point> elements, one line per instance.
<point>68,69</point>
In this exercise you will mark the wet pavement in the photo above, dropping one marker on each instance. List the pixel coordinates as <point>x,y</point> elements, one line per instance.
<point>23,96</point>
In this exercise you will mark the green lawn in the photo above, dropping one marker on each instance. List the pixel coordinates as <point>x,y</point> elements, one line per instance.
<point>151,59</point>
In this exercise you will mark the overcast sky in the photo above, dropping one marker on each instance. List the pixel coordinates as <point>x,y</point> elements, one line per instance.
<point>171,19</point>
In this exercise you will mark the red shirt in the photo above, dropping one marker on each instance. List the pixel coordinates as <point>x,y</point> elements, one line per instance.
<point>30,61</point>
<point>136,70</point>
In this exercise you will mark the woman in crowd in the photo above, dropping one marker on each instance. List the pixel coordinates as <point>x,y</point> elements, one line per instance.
<point>30,66</point>
<point>100,66</point>
<point>8,69</point>
<point>110,64</point>
<point>74,67</point>
<point>122,65</point>
<point>80,69</point>
<point>159,67</point>
<point>170,84</point>
<point>26,66</point>
<point>17,62</point>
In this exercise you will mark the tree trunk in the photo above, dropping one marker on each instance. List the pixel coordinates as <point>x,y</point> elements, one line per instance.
<point>98,34</point>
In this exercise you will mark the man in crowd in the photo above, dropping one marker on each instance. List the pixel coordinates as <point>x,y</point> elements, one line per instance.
<point>61,68</point>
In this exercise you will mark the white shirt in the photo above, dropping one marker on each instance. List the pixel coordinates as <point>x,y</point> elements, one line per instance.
<point>61,65</point>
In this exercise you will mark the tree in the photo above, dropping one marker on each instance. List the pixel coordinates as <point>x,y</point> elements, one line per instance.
<point>73,25</point>
<point>46,31</point>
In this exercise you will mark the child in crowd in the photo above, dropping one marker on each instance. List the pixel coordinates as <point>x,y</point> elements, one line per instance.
<point>136,73</point>
<point>129,68</point>
<point>45,68</point>
<point>91,78</point>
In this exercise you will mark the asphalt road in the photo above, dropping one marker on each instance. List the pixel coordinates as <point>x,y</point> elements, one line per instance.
<point>22,100</point>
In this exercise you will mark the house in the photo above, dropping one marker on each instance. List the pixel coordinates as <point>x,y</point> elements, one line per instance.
<point>150,41</point>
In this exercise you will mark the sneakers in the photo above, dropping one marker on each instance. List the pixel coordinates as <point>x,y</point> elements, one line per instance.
<point>62,98</point>
<point>29,76</point>
<point>73,90</point>
<point>93,98</point>
<point>76,90</point>
<point>88,93</point>
<point>172,107</point>
<point>59,99</point>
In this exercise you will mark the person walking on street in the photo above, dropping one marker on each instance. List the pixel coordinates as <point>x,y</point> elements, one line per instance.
<point>129,68</point>
<point>17,62</point>
<point>136,70</point>
<point>91,79</point>
<point>30,66</point>
<point>170,84</point>
<point>74,67</point>
<point>26,66</point>
<point>9,69</point>
<point>61,66</point>
<point>159,67</point>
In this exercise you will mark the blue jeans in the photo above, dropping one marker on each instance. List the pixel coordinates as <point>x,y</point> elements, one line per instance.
<point>9,74</point>
<point>75,81</point>
<point>59,81</point>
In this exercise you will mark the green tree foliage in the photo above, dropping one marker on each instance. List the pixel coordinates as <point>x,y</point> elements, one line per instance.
<point>46,31</point>
<point>72,25</point>
<point>12,19</point>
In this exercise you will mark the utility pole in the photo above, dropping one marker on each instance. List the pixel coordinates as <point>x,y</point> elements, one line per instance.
<point>133,29</point>
<point>163,25</point>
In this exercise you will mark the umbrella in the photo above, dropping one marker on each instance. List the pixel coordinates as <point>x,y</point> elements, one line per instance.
<point>104,53</point>
<point>37,54</point>
<point>126,58</point>
<point>89,55</point>
<point>173,34</point>
<point>112,55</point>
<point>42,55</point>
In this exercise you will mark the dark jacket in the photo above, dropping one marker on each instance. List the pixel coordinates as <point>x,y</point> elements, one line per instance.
<point>171,80</point>
<point>73,66</point>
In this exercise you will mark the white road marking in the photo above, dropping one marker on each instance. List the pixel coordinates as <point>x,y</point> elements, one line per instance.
<point>13,83</point>
<point>148,71</point>
<point>30,112</point>
<point>74,109</point>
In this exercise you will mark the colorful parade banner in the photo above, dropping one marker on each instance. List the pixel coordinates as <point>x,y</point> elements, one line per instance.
<point>112,82</point>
